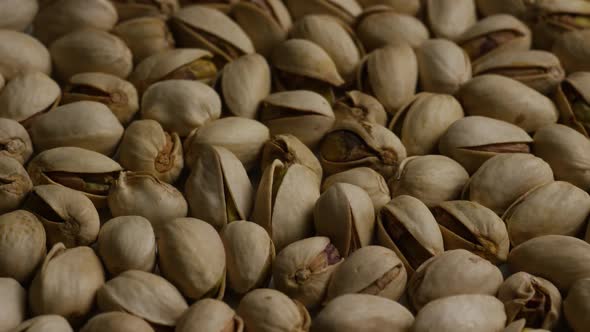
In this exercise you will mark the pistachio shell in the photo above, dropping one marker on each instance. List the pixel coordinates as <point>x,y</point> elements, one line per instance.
<point>13,302</point>
<point>22,244</point>
<point>15,184</point>
<point>346,10</point>
<point>45,323</point>
<point>289,149</point>
<point>444,67</point>
<point>409,7</point>
<point>572,98</point>
<point>573,49</point>
<point>519,326</point>
<point>17,14</point>
<point>366,178</point>
<point>450,18</point>
<point>406,226</point>
<point>423,121</point>
<point>134,9</point>
<point>116,322</point>
<point>382,26</point>
<point>460,271</point>
<point>21,53</point>
<point>361,106</point>
<point>145,36</point>
<point>15,141</point>
<point>127,243</point>
<point>513,7</point>
<point>552,19</point>
<point>144,295</point>
<point>210,315</point>
<point>575,306</point>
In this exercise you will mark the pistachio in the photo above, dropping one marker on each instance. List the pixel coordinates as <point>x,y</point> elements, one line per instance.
<point>423,121</point>
<point>27,96</point>
<point>532,298</point>
<point>368,179</point>
<point>22,244</point>
<point>84,124</point>
<point>289,149</point>
<point>83,170</point>
<point>116,322</point>
<point>361,106</point>
<point>551,19</point>
<point>519,326</point>
<point>117,94</point>
<point>473,227</point>
<point>379,70</point>
<point>460,271</point>
<point>406,226</point>
<point>17,14</point>
<point>218,189</point>
<point>346,10</point>
<point>558,258</point>
<point>15,184</point>
<point>381,26</point>
<point>303,114</point>
<point>249,255</point>
<point>145,36</point>
<point>80,269</point>
<point>15,141</point>
<point>494,34</point>
<point>444,67</point>
<point>223,6</point>
<point>567,152</point>
<point>139,8</point>
<point>144,195</point>
<point>61,17</point>
<point>210,315</point>
<point>519,105</point>
<point>127,243</point>
<point>267,310</point>
<point>243,137</point>
<point>144,295</point>
<point>21,53</point>
<point>45,323</point>
<point>409,7</point>
<point>243,84</point>
<point>573,101</point>
<point>345,214</point>
<point>13,302</point>
<point>572,49</point>
<point>575,306</point>
<point>432,179</point>
<point>448,314</point>
<point>285,201</point>
<point>351,144</point>
<point>450,18</point>
<point>513,7</point>
<point>210,29</point>
<point>539,70</point>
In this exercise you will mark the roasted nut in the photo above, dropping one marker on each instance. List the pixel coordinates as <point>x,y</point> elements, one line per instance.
<point>409,7</point>
<point>443,66</point>
<point>450,18</point>
<point>210,315</point>
<point>575,306</point>
<point>289,149</point>
<point>145,36</point>
<point>17,14</point>
<point>369,180</point>
<point>13,302</point>
<point>45,323</point>
<point>15,184</point>
<point>116,322</point>
<point>551,19</point>
<point>573,101</point>
<point>346,10</point>
<point>573,49</point>
<point>133,9</point>
<point>513,7</point>
<point>361,106</point>
<point>21,53</point>
<point>519,326</point>
<point>15,141</point>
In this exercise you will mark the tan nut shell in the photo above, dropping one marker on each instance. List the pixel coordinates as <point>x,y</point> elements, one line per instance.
<point>157,8</point>
<point>144,295</point>
<point>13,303</point>
<point>45,323</point>
<point>210,315</point>
<point>289,149</point>
<point>519,326</point>
<point>17,14</point>
<point>145,36</point>
<point>512,7</point>
<point>346,10</point>
<point>21,53</point>
<point>579,82</point>
<point>116,322</point>
<point>15,141</point>
<point>361,106</point>
<point>409,7</point>
<point>366,178</point>
<point>444,67</point>
<point>15,184</point>
<point>573,49</point>
<point>575,306</point>
<point>382,26</point>
<point>450,18</point>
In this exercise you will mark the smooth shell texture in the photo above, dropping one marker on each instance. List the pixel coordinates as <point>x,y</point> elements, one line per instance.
<point>366,178</point>
<point>17,14</point>
<point>116,322</point>
<point>20,53</point>
<point>15,184</point>
<point>573,49</point>
<point>443,66</point>
<point>13,303</point>
<point>209,315</point>
<point>450,18</point>
<point>575,306</point>
<point>345,10</point>
<point>45,323</point>
<point>145,36</point>
<point>383,26</point>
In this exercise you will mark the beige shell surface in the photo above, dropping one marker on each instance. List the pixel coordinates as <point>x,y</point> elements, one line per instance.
<point>409,7</point>
<point>575,305</point>
<point>346,10</point>
<point>579,82</point>
<point>21,53</point>
<point>368,179</point>
<point>13,302</point>
<point>157,8</point>
<point>17,14</point>
<point>45,323</point>
<point>27,95</point>
<point>15,184</point>
<point>289,149</point>
<point>572,48</point>
<point>15,141</point>
<point>116,322</point>
<point>443,66</point>
<point>209,315</point>
<point>382,26</point>
<point>145,36</point>
<point>72,159</point>
<point>361,106</point>
<point>450,18</point>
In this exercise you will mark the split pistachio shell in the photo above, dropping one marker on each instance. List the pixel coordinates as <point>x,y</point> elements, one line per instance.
<point>519,104</point>
<point>381,26</point>
<point>573,100</point>
<point>67,215</point>
<point>117,94</point>
<point>15,141</point>
<point>370,270</point>
<point>243,137</point>
<point>303,269</point>
<point>432,179</point>
<point>145,36</point>
<point>22,244</point>
<point>541,212</point>
<point>513,7</point>
<point>21,53</point>
<point>351,143</point>
<point>17,14</point>
<point>210,315</point>
<point>558,258</point>
<point>573,49</point>
<point>13,302</point>
<point>409,7</point>
<point>462,313</point>
<point>379,70</point>
<point>289,149</point>
<point>144,195</point>
<point>90,50</point>
<point>366,178</point>
<point>80,269</point>
<point>443,66</point>
<point>361,106</point>
<point>218,189</point>
<point>406,226</point>
<point>268,310</point>
<point>244,83</point>
<point>45,323</point>
<point>450,18</point>
<point>460,271</point>
<point>127,243</point>
<point>15,184</point>
<point>249,254</point>
<point>27,96</point>
<point>345,214</point>
<point>533,298</point>
<point>551,19</point>
<point>473,227</point>
<point>575,306</point>
<point>285,201</point>
<point>474,139</point>
<point>84,124</point>
<point>134,9</point>
<point>303,114</point>
<point>146,147</point>
<point>335,37</point>
<point>116,322</point>
<point>567,152</point>
<point>423,120</point>
<point>144,295</point>
<point>346,10</point>
<point>180,105</point>
<point>83,170</point>
<point>539,70</point>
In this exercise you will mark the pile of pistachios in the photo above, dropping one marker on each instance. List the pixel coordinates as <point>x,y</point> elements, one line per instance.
<point>294,165</point>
